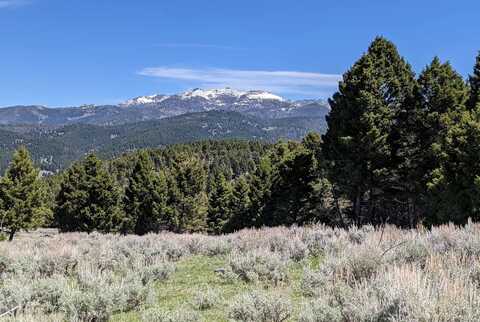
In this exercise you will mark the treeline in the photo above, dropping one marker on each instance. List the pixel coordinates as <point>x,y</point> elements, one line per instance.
<point>399,149</point>
<point>152,190</point>
<point>213,187</point>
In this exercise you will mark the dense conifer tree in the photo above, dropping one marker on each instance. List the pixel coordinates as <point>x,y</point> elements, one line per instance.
<point>455,183</point>
<point>188,200</point>
<point>292,187</point>
<point>220,205</point>
<point>89,198</point>
<point>474,81</point>
<point>361,144</point>
<point>23,198</point>
<point>443,94</point>
<point>260,183</point>
<point>145,198</point>
<point>240,206</point>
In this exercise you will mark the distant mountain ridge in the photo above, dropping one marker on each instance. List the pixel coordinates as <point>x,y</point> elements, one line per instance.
<point>261,104</point>
<point>58,136</point>
<point>54,149</point>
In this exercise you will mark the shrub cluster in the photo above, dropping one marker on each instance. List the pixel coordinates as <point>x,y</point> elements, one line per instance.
<point>80,277</point>
<point>361,274</point>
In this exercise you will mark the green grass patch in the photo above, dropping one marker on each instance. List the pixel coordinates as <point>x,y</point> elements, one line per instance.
<point>197,273</point>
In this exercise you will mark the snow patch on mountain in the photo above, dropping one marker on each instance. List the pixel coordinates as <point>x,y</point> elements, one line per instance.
<point>259,95</point>
<point>211,93</point>
<point>145,100</point>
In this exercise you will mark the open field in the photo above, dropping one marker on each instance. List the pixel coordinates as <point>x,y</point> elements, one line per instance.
<point>272,275</point>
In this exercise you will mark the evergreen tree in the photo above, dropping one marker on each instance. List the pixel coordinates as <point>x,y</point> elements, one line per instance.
<point>321,205</point>
<point>442,90</point>
<point>474,81</point>
<point>455,183</point>
<point>89,198</point>
<point>23,197</point>
<point>443,95</point>
<point>313,142</point>
<point>260,183</point>
<point>188,200</point>
<point>219,205</point>
<point>145,198</point>
<point>292,187</point>
<point>239,207</point>
<point>361,144</point>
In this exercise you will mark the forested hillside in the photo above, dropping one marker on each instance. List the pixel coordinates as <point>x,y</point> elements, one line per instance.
<point>54,148</point>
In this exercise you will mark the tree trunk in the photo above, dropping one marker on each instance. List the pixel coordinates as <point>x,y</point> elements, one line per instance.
<point>12,233</point>
<point>337,207</point>
<point>357,208</point>
<point>411,212</point>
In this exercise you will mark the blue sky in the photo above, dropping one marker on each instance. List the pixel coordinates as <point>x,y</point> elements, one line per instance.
<point>71,52</point>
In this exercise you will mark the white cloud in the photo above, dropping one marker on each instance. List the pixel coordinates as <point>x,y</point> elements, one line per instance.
<point>12,3</point>
<point>282,82</point>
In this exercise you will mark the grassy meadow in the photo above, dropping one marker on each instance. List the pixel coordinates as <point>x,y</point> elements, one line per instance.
<point>269,275</point>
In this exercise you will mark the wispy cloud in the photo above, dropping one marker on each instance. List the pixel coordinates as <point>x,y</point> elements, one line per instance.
<point>197,45</point>
<point>13,3</point>
<point>281,82</point>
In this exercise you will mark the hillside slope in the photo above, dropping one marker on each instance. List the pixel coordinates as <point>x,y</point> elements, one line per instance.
<point>55,148</point>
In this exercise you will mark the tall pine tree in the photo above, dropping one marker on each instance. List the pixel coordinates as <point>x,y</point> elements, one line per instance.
<point>219,205</point>
<point>455,184</point>
<point>188,201</point>
<point>362,144</point>
<point>443,94</point>
<point>23,196</point>
<point>145,198</point>
<point>474,81</point>
<point>260,183</point>
<point>292,187</point>
<point>240,206</point>
<point>454,179</point>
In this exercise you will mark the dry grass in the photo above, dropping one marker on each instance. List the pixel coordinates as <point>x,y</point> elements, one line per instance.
<point>304,274</point>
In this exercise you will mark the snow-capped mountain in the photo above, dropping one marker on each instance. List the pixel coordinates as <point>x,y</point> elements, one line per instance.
<point>142,100</point>
<point>61,135</point>
<point>215,96</point>
<point>257,103</point>
<point>261,104</point>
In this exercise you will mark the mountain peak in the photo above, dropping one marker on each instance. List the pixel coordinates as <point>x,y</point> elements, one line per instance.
<point>143,100</point>
<point>211,93</point>
<point>263,95</point>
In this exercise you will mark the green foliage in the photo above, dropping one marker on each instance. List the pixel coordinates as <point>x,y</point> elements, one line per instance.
<point>291,188</point>
<point>89,198</point>
<point>443,96</point>
<point>362,144</point>
<point>187,195</point>
<point>455,182</point>
<point>145,198</point>
<point>220,205</point>
<point>474,81</point>
<point>240,206</point>
<point>55,149</point>
<point>23,202</point>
